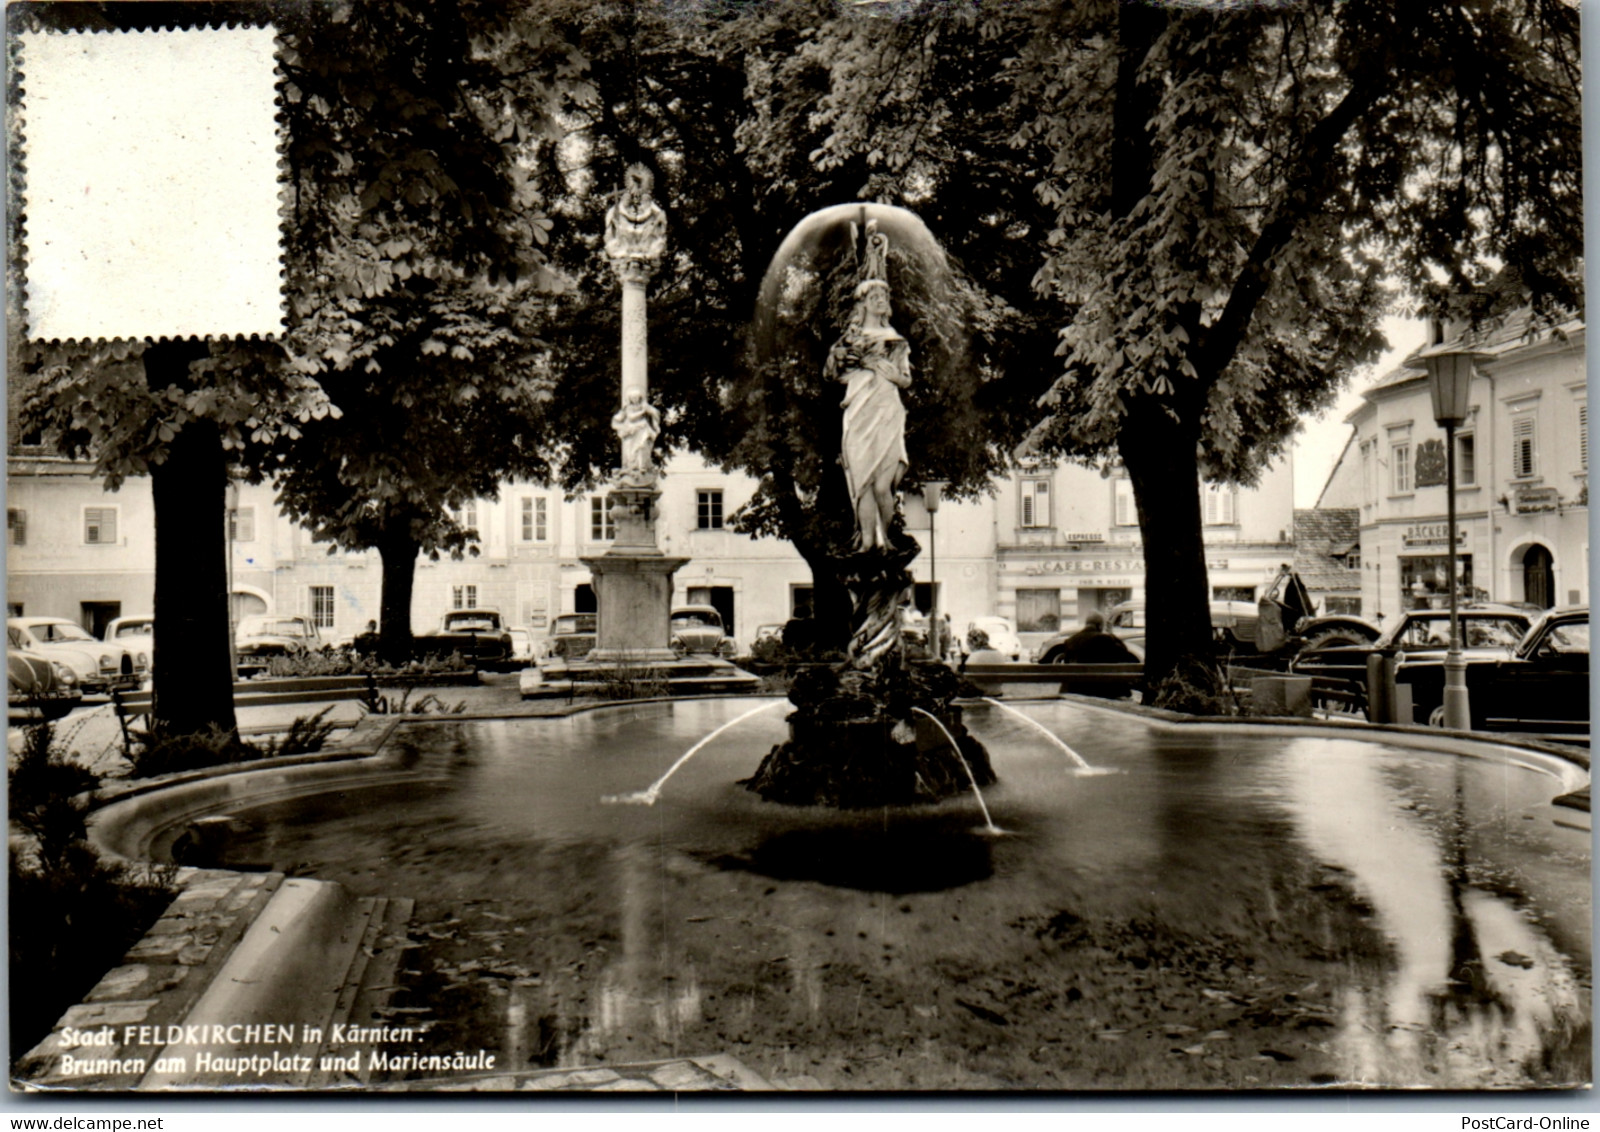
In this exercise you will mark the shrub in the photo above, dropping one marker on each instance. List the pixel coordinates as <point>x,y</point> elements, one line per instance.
<point>159,751</point>
<point>73,914</point>
<point>430,704</point>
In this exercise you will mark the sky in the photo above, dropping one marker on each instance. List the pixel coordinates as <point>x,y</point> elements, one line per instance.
<point>1317,448</point>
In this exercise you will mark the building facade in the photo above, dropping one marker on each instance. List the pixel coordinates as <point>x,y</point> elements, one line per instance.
<point>1522,500</point>
<point>1046,546</point>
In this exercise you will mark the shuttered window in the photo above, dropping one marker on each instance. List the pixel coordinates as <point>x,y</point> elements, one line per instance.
<point>1035,503</point>
<point>99,525</point>
<point>1125,514</point>
<point>1221,505</point>
<point>1524,446</point>
<point>16,526</point>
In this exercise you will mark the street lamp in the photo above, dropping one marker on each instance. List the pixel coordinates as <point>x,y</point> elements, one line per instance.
<point>231,501</point>
<point>1450,381</point>
<point>931,491</point>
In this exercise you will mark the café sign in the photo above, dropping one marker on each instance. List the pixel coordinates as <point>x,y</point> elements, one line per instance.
<point>1431,534</point>
<point>1100,567</point>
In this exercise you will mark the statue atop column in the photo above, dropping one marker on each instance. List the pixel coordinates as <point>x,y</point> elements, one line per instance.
<point>636,238</point>
<point>636,228</point>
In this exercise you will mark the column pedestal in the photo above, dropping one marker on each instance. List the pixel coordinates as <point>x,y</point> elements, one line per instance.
<point>633,585</point>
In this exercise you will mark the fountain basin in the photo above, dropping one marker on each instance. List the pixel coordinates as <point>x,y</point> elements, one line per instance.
<point>1237,907</point>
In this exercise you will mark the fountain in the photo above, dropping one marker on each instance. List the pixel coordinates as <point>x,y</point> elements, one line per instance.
<point>1233,907</point>
<point>855,738</point>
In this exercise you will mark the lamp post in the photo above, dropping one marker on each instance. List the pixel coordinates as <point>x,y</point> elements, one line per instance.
<point>931,491</point>
<point>232,503</point>
<point>1450,381</point>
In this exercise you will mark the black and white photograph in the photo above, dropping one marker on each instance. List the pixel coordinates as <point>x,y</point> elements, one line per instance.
<point>798,549</point>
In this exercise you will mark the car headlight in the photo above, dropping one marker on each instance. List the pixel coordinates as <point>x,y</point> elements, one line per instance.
<point>141,661</point>
<point>63,673</point>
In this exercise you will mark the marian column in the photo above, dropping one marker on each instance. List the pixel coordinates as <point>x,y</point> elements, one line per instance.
<point>633,580</point>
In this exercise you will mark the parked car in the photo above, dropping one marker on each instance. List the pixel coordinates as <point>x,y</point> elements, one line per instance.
<point>1000,633</point>
<point>523,652</point>
<point>572,636</point>
<point>138,633</point>
<point>99,666</point>
<point>1489,632</point>
<point>772,632</point>
<point>1541,686</point>
<point>261,637</point>
<point>39,683</point>
<point>699,629</point>
<point>477,634</point>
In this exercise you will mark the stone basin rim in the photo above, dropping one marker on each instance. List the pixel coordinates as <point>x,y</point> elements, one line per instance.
<point>132,813</point>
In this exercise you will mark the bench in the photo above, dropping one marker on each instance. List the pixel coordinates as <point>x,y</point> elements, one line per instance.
<point>249,693</point>
<point>1094,679</point>
<point>1334,694</point>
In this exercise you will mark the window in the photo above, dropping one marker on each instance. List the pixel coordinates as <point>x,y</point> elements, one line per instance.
<point>708,510</point>
<point>1400,467</point>
<point>464,597</point>
<point>16,527</point>
<point>1124,513</point>
<point>1038,611</point>
<point>1035,503</point>
<point>602,523</point>
<point>242,524</point>
<point>1583,435</point>
<point>322,606</point>
<point>1524,446</point>
<point>535,519</point>
<point>1466,460</point>
<point>1221,502</point>
<point>1233,593</point>
<point>466,517</point>
<point>99,525</point>
<point>800,604</point>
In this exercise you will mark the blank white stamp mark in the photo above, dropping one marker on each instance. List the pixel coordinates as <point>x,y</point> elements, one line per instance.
<point>151,206</point>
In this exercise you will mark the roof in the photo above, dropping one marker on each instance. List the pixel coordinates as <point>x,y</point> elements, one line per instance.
<point>1505,335</point>
<point>1320,533</point>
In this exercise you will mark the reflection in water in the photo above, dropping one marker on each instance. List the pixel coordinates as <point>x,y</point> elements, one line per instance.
<point>1473,991</point>
<point>1310,911</point>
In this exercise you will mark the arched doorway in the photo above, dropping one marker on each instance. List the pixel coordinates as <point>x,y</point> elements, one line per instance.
<point>1538,576</point>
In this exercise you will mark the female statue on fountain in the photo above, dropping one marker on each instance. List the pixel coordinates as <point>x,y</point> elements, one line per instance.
<point>874,362</point>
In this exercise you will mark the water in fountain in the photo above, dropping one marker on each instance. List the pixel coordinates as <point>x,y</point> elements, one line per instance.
<point>988,822</point>
<point>648,796</point>
<point>1083,766</point>
<point>1280,910</point>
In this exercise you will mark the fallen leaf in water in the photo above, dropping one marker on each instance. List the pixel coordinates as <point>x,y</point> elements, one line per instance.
<point>1515,959</point>
<point>983,1012</point>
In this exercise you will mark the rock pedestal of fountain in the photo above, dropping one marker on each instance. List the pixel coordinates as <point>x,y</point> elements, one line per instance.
<point>878,730</point>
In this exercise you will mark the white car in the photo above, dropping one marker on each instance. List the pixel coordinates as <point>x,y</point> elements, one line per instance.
<point>523,649</point>
<point>1001,633</point>
<point>137,633</point>
<point>100,666</point>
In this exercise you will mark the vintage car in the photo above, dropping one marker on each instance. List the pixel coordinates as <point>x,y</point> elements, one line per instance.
<point>261,637</point>
<point>137,633</point>
<point>1540,686</point>
<point>523,647</point>
<point>99,666</point>
<point>1489,632</point>
<point>699,629</point>
<point>41,684</point>
<point>998,636</point>
<point>571,636</point>
<point>479,635</point>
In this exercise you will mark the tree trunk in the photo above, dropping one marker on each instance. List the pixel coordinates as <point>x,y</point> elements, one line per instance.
<point>193,685</point>
<point>398,550</point>
<point>1180,658</point>
<point>831,608</point>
